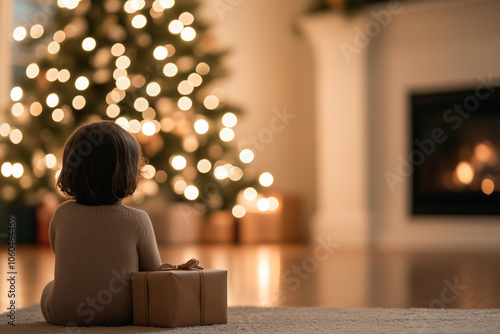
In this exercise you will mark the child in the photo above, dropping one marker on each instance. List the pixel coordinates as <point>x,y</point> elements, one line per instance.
<point>96,240</point>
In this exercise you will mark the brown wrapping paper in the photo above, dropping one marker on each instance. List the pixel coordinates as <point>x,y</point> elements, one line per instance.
<point>177,297</point>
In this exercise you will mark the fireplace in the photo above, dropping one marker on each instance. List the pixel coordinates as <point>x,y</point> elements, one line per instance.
<point>456,152</point>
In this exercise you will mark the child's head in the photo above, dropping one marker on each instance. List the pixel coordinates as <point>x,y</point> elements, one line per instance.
<point>100,164</point>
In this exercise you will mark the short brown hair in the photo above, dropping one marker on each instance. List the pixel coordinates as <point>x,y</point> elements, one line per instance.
<point>100,164</point>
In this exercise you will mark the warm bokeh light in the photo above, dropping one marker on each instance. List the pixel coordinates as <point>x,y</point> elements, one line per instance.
<point>148,128</point>
<point>226,134</point>
<point>185,103</point>
<point>221,172</point>
<point>19,33</point>
<point>188,34</point>
<point>487,186</point>
<point>201,126</point>
<point>36,109</point>
<point>250,194</point>
<point>17,109</point>
<point>4,129</point>
<point>178,162</point>
<point>16,136</point>
<point>63,75</point>
<point>186,18</point>
<point>204,166</point>
<point>123,122</point>
<point>32,70</point>
<point>52,100</point>
<point>202,68</point>
<point>161,176</point>
<point>211,102</point>
<point>57,115</point>
<point>117,49</point>
<point>78,102</point>
<point>88,44</point>
<point>170,70</point>
<point>17,170</point>
<point>195,79</point>
<point>141,104</point>
<point>191,192</point>
<point>36,31</point>
<point>246,155</point>
<point>185,87</point>
<point>113,110</point>
<point>122,62</point>
<point>153,89</point>
<point>82,83</point>
<point>175,27</point>
<point>465,172</point>
<point>16,93</point>
<point>50,160</point>
<point>53,47</point>
<point>266,179</point>
<point>139,21</point>
<point>6,169</point>
<point>238,211</point>
<point>160,52</point>
<point>134,126</point>
<point>148,171</point>
<point>263,204</point>
<point>229,120</point>
<point>273,203</point>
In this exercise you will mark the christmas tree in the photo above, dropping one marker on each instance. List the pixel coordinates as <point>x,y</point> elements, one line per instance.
<point>150,67</point>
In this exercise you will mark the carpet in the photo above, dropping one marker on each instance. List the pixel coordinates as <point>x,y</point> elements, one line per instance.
<point>296,320</point>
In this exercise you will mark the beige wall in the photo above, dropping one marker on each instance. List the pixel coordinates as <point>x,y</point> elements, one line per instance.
<point>270,68</point>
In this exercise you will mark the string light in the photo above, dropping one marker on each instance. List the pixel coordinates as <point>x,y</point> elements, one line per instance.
<point>148,128</point>
<point>36,31</point>
<point>16,136</point>
<point>229,120</point>
<point>204,166</point>
<point>78,102</point>
<point>170,70</point>
<point>202,68</point>
<point>17,109</point>
<point>112,110</point>
<point>89,44</point>
<point>53,47</point>
<point>117,49</point>
<point>185,87</point>
<point>160,52</point>
<point>122,62</point>
<point>57,115</point>
<point>52,100</point>
<point>266,179</point>
<point>167,3</point>
<point>263,204</point>
<point>238,211</point>
<point>175,27</point>
<point>211,102</point>
<point>141,104</point>
<point>188,34</point>
<point>6,169</point>
<point>36,109</point>
<point>186,18</point>
<point>134,126</point>
<point>82,83</point>
<point>201,126</point>
<point>4,129</point>
<point>148,171</point>
<point>221,173</point>
<point>52,74</point>
<point>195,79</point>
<point>32,70</point>
<point>16,93</point>
<point>191,192</point>
<point>226,134</point>
<point>123,83</point>
<point>185,103</point>
<point>19,33</point>
<point>153,89</point>
<point>63,75</point>
<point>178,162</point>
<point>250,194</point>
<point>139,21</point>
<point>246,155</point>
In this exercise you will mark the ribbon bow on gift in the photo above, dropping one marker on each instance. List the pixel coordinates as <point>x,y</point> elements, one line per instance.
<point>189,265</point>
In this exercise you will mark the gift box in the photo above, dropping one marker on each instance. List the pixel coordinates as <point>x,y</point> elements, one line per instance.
<point>177,296</point>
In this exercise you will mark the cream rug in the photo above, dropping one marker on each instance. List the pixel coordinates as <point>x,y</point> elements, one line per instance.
<point>297,320</point>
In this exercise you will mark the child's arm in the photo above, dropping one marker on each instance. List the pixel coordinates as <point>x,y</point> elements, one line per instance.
<point>149,257</point>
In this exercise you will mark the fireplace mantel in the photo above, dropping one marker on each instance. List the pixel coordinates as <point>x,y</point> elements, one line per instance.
<point>362,124</point>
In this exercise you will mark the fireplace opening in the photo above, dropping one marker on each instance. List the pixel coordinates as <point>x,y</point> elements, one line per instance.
<point>455,153</point>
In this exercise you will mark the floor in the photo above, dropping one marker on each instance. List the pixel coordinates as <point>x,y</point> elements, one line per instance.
<point>321,274</point>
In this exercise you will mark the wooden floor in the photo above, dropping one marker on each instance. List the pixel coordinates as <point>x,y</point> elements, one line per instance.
<point>309,275</point>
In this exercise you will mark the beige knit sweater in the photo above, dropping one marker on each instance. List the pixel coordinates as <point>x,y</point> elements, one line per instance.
<point>96,248</point>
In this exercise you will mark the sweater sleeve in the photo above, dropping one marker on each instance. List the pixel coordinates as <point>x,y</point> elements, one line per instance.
<point>149,257</point>
<point>52,235</point>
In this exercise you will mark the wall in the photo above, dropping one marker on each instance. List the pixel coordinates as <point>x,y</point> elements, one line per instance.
<point>270,68</point>
<point>429,45</point>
